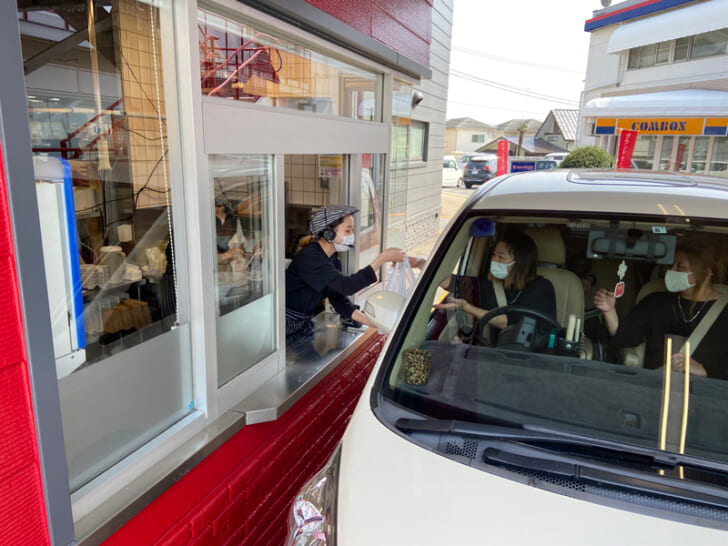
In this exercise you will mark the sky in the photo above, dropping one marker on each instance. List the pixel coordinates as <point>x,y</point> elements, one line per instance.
<point>517,58</point>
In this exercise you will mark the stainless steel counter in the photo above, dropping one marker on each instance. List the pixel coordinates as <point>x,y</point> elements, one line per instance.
<point>307,362</point>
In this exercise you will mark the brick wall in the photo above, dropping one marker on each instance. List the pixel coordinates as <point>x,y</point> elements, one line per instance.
<point>22,509</point>
<point>241,493</point>
<point>403,25</point>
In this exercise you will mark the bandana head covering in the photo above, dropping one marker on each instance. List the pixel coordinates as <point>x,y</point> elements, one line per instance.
<point>328,215</point>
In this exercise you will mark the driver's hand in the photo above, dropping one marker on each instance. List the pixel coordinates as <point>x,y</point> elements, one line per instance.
<point>604,300</point>
<point>678,365</point>
<point>452,304</point>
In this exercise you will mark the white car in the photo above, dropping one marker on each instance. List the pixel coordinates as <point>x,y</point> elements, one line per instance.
<point>551,435</point>
<point>557,156</point>
<point>452,174</point>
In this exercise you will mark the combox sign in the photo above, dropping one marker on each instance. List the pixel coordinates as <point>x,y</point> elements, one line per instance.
<point>663,126</point>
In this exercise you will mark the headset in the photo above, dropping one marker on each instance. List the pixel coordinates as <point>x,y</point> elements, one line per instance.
<point>328,233</point>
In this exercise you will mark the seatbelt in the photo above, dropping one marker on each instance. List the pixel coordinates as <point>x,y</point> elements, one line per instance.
<point>705,323</point>
<point>500,294</point>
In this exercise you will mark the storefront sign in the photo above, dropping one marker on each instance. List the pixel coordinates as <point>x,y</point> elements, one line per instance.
<point>663,126</point>
<point>330,165</point>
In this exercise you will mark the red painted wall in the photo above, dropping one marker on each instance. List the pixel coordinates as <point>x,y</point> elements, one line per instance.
<point>403,25</point>
<point>241,493</point>
<point>22,509</point>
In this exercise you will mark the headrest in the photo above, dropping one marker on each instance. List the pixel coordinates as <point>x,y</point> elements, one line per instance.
<point>550,245</point>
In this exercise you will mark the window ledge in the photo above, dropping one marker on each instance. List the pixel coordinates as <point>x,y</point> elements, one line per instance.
<point>305,368</point>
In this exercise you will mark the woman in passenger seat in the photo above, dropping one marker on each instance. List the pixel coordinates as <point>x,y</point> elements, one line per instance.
<point>678,311</point>
<point>514,263</point>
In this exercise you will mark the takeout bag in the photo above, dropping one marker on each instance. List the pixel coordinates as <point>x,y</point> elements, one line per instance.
<point>402,279</point>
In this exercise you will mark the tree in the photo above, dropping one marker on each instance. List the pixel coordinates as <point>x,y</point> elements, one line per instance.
<point>587,157</point>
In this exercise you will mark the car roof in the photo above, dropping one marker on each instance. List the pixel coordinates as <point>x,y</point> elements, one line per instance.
<point>482,157</point>
<point>606,191</point>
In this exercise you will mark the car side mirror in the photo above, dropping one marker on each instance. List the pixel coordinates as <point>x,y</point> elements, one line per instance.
<point>383,309</point>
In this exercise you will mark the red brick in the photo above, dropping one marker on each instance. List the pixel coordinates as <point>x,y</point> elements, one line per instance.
<point>241,481</point>
<point>209,509</point>
<point>205,538</point>
<point>176,537</point>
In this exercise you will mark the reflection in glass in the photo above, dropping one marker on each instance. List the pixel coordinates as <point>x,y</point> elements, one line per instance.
<point>644,151</point>
<point>98,123</point>
<point>666,153</point>
<point>242,187</point>
<point>719,157</point>
<point>683,152</point>
<point>370,216</point>
<point>242,63</point>
<point>700,154</point>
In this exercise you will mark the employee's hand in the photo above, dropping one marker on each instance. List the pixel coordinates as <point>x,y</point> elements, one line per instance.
<point>226,257</point>
<point>393,255</point>
<point>452,304</point>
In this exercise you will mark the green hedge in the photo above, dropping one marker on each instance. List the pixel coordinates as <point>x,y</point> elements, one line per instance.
<point>588,157</point>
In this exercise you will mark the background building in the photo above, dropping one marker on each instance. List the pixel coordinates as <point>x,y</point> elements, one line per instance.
<point>660,68</point>
<point>464,135</point>
<point>151,396</point>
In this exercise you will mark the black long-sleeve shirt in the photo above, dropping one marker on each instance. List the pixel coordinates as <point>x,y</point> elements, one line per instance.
<point>313,276</point>
<point>658,314</point>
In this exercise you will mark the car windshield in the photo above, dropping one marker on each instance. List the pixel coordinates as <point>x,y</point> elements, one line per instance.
<point>540,348</point>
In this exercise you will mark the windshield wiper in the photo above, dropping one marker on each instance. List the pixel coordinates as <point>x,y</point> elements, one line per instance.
<point>541,435</point>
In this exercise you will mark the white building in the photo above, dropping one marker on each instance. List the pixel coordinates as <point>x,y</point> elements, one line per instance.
<point>660,68</point>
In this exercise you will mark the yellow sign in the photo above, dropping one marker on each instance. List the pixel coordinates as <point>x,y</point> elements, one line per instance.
<point>663,126</point>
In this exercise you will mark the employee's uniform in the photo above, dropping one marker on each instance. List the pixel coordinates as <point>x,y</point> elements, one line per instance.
<point>313,276</point>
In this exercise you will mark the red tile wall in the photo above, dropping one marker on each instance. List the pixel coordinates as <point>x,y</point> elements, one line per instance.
<point>22,509</point>
<point>403,25</point>
<point>241,493</point>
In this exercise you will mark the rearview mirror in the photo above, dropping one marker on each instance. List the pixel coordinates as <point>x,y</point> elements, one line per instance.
<point>383,309</point>
<point>631,245</point>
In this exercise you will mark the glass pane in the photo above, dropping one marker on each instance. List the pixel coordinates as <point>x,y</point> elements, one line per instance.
<point>644,151</point>
<point>239,62</point>
<point>244,236</point>
<point>99,134</point>
<point>663,52</point>
<point>647,55</point>
<point>719,158</point>
<point>666,153</point>
<point>370,216</point>
<point>700,154</point>
<point>417,138</point>
<point>682,46</point>
<point>634,58</point>
<point>710,43</point>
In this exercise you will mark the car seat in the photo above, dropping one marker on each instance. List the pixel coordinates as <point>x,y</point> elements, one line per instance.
<point>567,285</point>
<point>635,356</point>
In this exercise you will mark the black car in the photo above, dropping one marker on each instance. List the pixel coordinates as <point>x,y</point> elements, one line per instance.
<point>479,170</point>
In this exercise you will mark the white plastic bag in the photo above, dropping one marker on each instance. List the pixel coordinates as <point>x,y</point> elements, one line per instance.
<point>402,279</point>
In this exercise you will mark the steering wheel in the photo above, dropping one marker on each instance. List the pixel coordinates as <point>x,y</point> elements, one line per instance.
<point>498,311</point>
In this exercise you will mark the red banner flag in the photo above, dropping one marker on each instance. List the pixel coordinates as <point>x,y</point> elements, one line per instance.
<point>627,140</point>
<point>502,157</point>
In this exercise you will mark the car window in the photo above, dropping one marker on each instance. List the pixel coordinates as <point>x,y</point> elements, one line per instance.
<point>546,358</point>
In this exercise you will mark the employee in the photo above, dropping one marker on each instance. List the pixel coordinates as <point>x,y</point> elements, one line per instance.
<point>315,272</point>
<point>225,228</point>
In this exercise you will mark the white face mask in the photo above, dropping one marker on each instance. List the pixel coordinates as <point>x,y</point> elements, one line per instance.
<point>499,270</point>
<point>677,281</point>
<point>346,244</point>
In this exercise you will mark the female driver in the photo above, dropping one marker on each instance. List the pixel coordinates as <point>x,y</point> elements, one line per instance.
<point>514,264</point>
<point>315,272</point>
<point>678,311</point>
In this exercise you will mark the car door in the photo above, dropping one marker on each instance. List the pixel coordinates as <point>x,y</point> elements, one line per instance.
<point>450,173</point>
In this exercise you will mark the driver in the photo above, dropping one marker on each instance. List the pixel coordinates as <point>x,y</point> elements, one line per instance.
<point>514,265</point>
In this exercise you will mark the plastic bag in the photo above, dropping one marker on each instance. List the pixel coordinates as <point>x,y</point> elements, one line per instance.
<point>402,279</point>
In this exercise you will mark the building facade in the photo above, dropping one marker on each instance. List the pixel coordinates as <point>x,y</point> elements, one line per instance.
<point>463,135</point>
<point>660,68</point>
<point>160,162</point>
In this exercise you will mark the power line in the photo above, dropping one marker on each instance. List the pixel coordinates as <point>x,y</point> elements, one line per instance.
<point>512,60</point>
<point>519,110</point>
<point>513,89</point>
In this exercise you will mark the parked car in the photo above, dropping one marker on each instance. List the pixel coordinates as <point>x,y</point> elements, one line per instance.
<point>548,435</point>
<point>557,156</point>
<point>463,159</point>
<point>452,175</point>
<point>479,169</point>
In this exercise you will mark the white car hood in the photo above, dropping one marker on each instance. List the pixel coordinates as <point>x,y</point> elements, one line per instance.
<point>393,492</point>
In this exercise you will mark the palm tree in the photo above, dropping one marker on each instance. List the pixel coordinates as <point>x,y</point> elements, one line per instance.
<point>521,130</point>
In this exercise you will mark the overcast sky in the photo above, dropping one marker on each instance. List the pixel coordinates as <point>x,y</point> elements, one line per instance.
<point>517,58</point>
